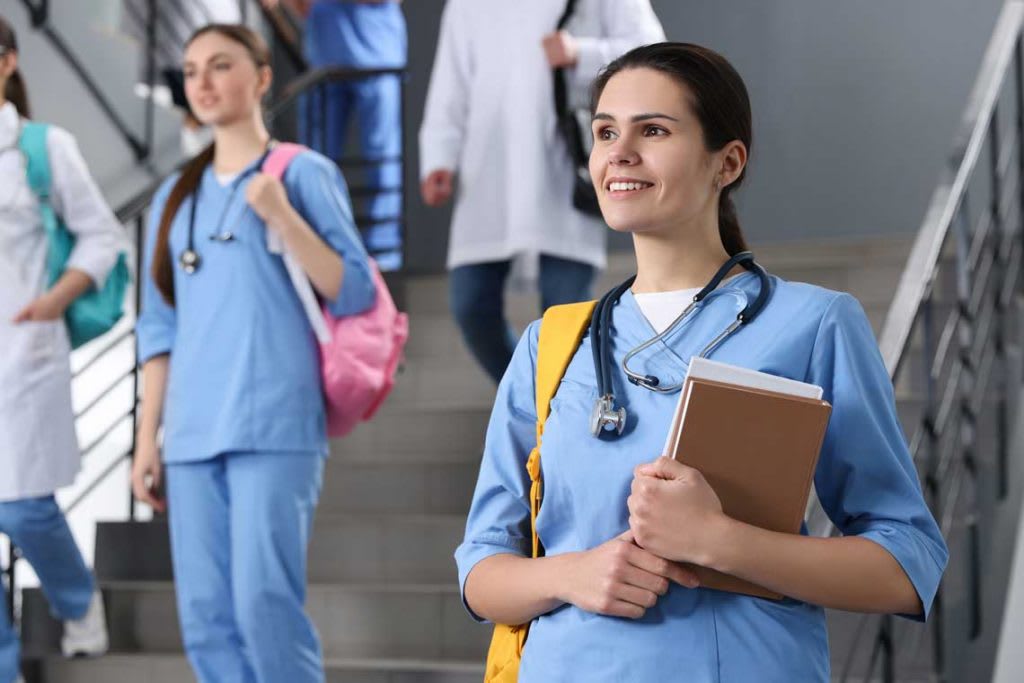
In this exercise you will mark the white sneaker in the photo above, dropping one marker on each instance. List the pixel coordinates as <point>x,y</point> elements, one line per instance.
<point>87,636</point>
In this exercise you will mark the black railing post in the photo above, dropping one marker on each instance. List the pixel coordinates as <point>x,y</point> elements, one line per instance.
<point>140,249</point>
<point>150,134</point>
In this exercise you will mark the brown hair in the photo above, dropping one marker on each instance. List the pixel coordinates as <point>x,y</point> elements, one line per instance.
<point>14,90</point>
<point>162,270</point>
<point>720,102</point>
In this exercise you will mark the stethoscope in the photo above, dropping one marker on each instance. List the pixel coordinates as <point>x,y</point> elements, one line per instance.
<point>606,418</point>
<point>189,258</point>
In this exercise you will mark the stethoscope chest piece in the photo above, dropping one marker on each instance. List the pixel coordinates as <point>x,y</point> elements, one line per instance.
<point>606,418</point>
<point>189,261</point>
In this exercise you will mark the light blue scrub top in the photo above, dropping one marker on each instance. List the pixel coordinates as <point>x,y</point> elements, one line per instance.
<point>865,480</point>
<point>244,364</point>
<point>356,34</point>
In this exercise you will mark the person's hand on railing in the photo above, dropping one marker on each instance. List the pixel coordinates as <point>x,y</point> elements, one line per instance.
<point>437,187</point>
<point>147,473</point>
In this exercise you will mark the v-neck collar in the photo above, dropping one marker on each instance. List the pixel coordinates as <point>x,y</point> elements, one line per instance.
<point>669,358</point>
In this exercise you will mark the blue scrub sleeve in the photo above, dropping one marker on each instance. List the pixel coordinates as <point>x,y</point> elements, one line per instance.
<point>318,191</point>
<point>155,328</point>
<point>499,517</point>
<point>866,480</point>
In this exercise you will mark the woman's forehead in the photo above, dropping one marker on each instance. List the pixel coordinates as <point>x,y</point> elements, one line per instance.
<point>636,91</point>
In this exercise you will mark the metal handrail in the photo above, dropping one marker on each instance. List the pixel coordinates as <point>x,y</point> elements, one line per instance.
<point>960,363</point>
<point>315,78</point>
<point>40,18</point>
<point>942,209</point>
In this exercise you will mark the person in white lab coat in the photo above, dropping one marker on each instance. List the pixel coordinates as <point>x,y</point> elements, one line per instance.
<point>490,129</point>
<point>38,449</point>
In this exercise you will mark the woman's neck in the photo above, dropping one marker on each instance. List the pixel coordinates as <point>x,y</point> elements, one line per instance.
<point>239,144</point>
<point>683,258</point>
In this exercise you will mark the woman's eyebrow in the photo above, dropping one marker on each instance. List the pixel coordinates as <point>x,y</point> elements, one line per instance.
<point>209,59</point>
<point>601,116</point>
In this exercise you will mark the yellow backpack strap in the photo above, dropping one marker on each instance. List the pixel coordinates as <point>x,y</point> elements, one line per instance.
<point>561,331</point>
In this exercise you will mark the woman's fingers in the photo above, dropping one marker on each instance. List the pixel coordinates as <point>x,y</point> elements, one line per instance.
<point>643,579</point>
<point>643,599</point>
<point>661,567</point>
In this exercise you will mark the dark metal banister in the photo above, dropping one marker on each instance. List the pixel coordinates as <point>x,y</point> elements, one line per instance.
<point>924,255</point>
<point>40,17</point>
<point>316,77</point>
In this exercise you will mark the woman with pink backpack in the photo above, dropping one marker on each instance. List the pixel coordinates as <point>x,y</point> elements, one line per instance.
<point>231,367</point>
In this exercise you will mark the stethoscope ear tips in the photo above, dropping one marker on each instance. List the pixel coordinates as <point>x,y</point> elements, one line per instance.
<point>606,418</point>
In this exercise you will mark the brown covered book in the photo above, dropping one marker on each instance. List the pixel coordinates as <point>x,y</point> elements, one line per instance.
<point>756,447</point>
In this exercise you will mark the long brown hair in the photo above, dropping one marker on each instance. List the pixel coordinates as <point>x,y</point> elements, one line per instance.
<point>163,265</point>
<point>15,91</point>
<point>720,102</point>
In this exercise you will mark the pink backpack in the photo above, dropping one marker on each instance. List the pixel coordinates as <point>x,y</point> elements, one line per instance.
<point>359,354</point>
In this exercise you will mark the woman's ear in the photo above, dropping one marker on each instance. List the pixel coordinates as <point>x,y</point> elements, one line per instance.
<point>733,160</point>
<point>266,79</point>
<point>8,64</point>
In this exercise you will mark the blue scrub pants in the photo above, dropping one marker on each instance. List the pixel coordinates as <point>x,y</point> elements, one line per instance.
<point>325,115</point>
<point>476,294</point>
<point>240,526</point>
<point>38,527</point>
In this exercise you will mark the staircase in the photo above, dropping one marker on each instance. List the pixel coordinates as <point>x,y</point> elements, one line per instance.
<point>383,587</point>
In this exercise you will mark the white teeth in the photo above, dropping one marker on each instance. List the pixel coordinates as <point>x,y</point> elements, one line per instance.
<point>626,187</point>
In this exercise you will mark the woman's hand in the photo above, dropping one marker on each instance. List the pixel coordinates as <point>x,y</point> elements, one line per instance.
<point>47,307</point>
<point>268,198</point>
<point>673,511</point>
<point>147,473</point>
<point>620,579</point>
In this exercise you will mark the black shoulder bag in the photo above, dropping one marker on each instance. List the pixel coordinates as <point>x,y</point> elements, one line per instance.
<point>584,196</point>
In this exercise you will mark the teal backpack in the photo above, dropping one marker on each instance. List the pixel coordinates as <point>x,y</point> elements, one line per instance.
<point>98,310</point>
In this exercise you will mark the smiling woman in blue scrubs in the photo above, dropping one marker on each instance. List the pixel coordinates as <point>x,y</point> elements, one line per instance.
<point>672,128</point>
<point>231,369</point>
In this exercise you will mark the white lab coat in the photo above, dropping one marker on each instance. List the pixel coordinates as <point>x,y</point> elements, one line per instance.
<point>38,449</point>
<point>490,117</point>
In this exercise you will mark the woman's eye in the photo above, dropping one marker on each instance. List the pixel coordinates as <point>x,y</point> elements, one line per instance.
<point>652,131</point>
<point>222,66</point>
<point>606,134</point>
<point>189,73</point>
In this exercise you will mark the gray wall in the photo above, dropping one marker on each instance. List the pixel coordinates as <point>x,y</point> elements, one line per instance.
<point>855,105</point>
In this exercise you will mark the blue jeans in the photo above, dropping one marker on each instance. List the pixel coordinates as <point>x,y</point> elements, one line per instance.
<point>476,293</point>
<point>38,527</point>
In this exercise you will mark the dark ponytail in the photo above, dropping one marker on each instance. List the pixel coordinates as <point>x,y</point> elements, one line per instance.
<point>15,91</point>
<point>162,270</point>
<point>163,263</point>
<point>719,101</point>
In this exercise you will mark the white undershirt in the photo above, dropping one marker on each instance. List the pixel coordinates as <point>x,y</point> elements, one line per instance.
<point>225,179</point>
<point>662,308</point>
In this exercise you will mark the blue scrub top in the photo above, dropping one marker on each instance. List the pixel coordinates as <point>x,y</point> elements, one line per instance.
<point>357,34</point>
<point>244,364</point>
<point>865,480</point>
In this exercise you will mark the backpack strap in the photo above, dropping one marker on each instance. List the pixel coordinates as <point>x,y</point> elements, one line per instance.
<point>32,143</point>
<point>561,331</point>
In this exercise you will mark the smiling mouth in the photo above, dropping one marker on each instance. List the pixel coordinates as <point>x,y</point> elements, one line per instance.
<point>628,187</point>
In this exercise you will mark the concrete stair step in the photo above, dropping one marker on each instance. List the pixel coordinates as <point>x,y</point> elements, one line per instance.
<point>173,668</point>
<point>404,434</point>
<point>445,488</point>
<point>424,621</point>
<point>398,549</point>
